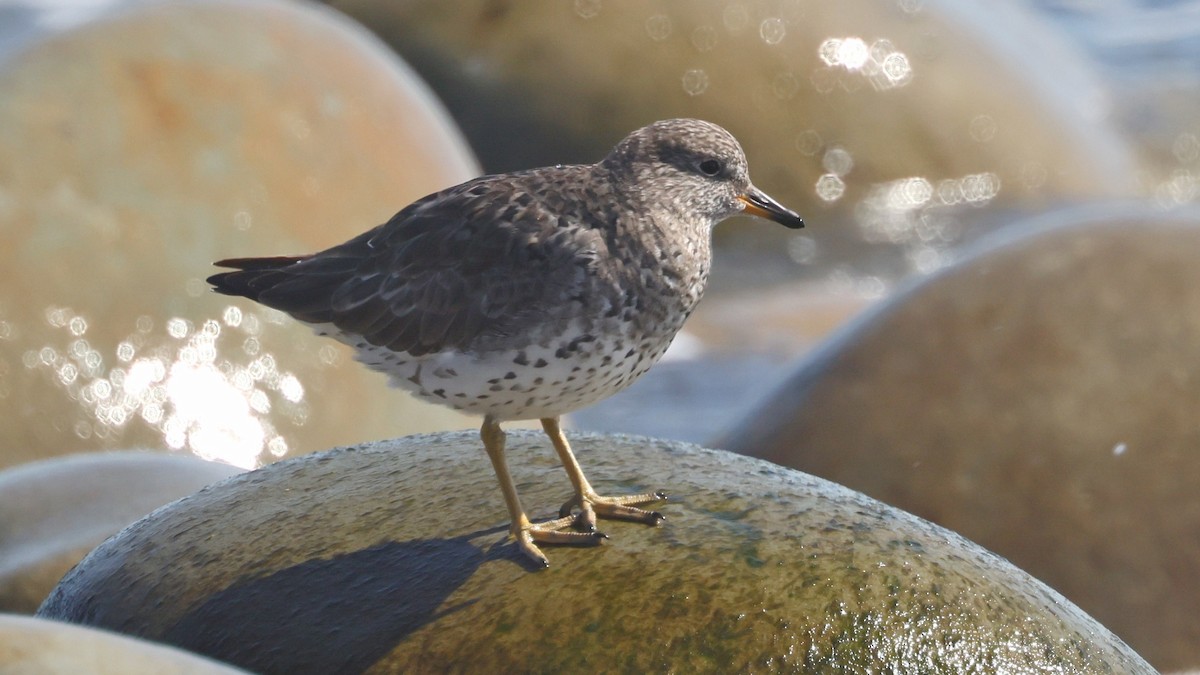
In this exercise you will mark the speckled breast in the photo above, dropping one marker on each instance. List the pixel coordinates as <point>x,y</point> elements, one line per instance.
<point>548,379</point>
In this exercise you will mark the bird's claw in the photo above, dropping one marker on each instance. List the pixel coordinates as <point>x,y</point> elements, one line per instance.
<point>592,506</point>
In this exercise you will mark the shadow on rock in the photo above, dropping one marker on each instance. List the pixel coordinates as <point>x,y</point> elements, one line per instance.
<point>340,615</point>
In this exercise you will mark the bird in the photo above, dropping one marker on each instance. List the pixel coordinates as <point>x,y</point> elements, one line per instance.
<point>531,294</point>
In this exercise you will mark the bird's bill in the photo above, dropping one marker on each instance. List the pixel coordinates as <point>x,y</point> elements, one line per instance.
<point>759,203</point>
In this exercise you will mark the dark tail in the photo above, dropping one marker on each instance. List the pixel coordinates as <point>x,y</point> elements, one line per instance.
<point>254,275</point>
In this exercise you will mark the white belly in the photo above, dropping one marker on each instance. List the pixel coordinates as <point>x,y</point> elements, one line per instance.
<point>538,382</point>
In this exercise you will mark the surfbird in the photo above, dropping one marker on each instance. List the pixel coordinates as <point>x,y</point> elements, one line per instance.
<point>529,295</point>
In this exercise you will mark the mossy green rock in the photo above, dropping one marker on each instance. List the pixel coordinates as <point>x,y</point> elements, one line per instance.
<point>394,557</point>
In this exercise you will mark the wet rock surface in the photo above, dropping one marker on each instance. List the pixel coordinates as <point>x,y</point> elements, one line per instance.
<point>1040,398</point>
<point>394,557</point>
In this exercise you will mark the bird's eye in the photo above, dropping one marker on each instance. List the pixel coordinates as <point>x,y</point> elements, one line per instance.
<point>710,167</point>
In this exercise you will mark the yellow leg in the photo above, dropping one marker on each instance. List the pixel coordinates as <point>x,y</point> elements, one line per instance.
<point>591,504</point>
<point>522,529</point>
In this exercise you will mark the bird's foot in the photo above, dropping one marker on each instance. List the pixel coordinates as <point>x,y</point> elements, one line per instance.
<point>624,507</point>
<point>551,532</point>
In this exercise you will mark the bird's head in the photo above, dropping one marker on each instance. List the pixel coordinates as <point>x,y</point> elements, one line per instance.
<point>695,168</point>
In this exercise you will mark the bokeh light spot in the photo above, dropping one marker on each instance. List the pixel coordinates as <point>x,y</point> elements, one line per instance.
<point>982,128</point>
<point>772,31</point>
<point>587,9</point>
<point>658,27</point>
<point>809,142</point>
<point>830,187</point>
<point>695,81</point>
<point>837,161</point>
<point>177,328</point>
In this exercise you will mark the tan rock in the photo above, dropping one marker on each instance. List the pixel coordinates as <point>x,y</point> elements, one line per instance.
<point>30,646</point>
<point>877,118</point>
<point>394,557</point>
<point>140,147</point>
<point>1040,398</point>
<point>56,510</point>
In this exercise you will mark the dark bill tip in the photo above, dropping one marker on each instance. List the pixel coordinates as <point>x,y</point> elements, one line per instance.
<point>758,203</point>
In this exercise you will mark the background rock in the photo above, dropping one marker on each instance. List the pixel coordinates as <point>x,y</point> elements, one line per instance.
<point>887,124</point>
<point>138,148</point>
<point>56,510</point>
<point>394,556</point>
<point>30,646</point>
<point>1039,398</point>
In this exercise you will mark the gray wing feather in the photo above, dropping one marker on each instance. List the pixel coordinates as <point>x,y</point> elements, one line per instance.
<point>452,271</point>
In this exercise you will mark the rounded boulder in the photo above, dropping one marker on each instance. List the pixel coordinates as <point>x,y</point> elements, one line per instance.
<point>894,120</point>
<point>1038,397</point>
<point>141,146</point>
<point>394,557</point>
